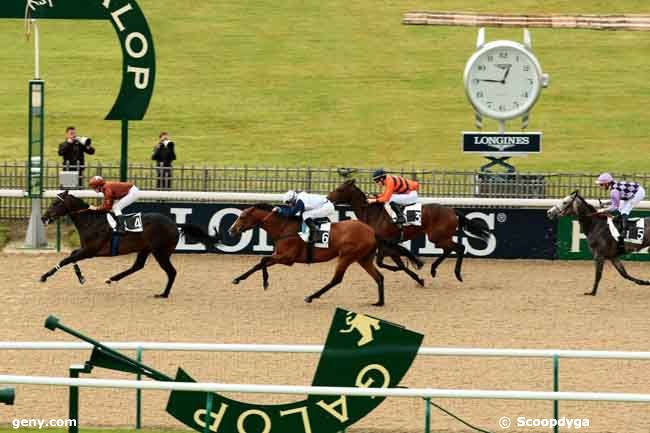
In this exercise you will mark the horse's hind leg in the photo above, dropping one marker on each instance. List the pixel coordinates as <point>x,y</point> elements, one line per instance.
<point>162,257</point>
<point>341,267</point>
<point>618,264</point>
<point>460,253</point>
<point>599,273</point>
<point>140,260</point>
<point>401,266</point>
<point>369,266</point>
<point>445,253</point>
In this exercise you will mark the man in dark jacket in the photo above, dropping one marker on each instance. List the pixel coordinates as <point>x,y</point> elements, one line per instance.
<point>73,150</point>
<point>163,154</point>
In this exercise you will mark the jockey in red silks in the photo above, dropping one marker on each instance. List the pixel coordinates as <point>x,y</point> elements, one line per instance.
<point>125,192</point>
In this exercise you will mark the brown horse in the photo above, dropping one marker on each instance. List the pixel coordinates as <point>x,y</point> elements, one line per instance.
<point>439,224</point>
<point>159,237</point>
<point>349,242</point>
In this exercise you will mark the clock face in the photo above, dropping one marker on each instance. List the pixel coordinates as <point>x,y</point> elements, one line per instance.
<point>502,80</point>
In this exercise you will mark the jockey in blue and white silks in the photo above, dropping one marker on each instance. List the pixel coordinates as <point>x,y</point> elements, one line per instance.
<point>309,206</point>
<point>624,196</point>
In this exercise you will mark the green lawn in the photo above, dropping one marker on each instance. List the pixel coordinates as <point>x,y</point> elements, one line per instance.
<point>332,83</point>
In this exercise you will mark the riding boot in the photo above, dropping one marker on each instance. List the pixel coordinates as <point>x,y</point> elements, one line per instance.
<point>313,231</point>
<point>119,225</point>
<point>399,214</point>
<point>622,229</point>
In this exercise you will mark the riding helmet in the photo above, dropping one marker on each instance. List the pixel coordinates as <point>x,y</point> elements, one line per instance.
<point>379,174</point>
<point>96,182</point>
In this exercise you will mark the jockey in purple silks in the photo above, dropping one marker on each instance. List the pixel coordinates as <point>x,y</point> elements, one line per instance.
<point>624,196</point>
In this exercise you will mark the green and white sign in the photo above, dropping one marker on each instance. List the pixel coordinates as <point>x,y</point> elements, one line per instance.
<point>572,243</point>
<point>360,351</point>
<point>130,24</point>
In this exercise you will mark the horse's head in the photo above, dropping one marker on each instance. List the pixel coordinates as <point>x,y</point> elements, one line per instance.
<point>63,204</point>
<point>347,193</point>
<point>249,218</point>
<point>568,206</point>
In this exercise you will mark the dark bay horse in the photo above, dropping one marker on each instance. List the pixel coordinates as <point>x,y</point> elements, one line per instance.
<point>602,244</point>
<point>439,224</point>
<point>349,242</point>
<point>159,237</point>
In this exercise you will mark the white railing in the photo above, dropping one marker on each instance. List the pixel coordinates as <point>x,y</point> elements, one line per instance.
<point>229,197</point>
<point>325,390</point>
<point>314,348</point>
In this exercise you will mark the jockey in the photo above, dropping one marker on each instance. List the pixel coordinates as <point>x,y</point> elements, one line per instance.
<point>398,192</point>
<point>310,206</point>
<point>125,192</point>
<point>624,195</point>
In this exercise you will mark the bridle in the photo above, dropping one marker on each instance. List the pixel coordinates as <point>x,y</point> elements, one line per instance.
<point>68,211</point>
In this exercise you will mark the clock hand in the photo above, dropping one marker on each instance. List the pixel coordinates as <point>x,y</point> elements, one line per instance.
<point>490,81</point>
<point>503,81</point>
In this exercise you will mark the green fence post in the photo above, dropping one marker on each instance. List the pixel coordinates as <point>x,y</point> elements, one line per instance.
<point>208,413</point>
<point>427,415</point>
<point>138,393</point>
<point>73,403</point>
<point>556,388</point>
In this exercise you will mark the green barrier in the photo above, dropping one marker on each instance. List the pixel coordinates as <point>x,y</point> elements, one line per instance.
<point>7,396</point>
<point>360,351</point>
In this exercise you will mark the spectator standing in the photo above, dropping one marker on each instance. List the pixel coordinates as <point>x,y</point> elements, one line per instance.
<point>163,154</point>
<point>73,151</point>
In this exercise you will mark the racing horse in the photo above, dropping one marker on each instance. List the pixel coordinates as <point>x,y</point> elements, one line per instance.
<point>439,224</point>
<point>349,242</point>
<point>159,237</point>
<point>602,244</point>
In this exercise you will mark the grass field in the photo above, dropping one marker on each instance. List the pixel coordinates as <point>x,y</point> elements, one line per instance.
<point>331,83</point>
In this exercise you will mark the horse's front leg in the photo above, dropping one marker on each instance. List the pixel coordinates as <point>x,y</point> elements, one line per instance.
<point>264,263</point>
<point>74,257</point>
<point>600,262</point>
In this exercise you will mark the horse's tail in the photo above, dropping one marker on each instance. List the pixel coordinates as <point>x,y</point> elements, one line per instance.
<point>472,227</point>
<point>197,233</point>
<point>402,251</point>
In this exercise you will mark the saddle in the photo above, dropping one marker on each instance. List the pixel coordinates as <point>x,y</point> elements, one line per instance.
<point>322,235</point>
<point>132,222</point>
<point>412,214</point>
<point>633,232</point>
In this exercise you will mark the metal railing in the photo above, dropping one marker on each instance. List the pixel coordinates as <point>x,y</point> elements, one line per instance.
<point>433,183</point>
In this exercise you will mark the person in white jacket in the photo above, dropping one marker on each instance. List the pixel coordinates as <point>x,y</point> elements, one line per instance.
<point>309,206</point>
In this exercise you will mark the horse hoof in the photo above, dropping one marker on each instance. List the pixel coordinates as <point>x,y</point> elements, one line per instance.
<point>433,274</point>
<point>43,279</point>
<point>308,299</point>
<point>459,278</point>
<point>235,281</point>
<point>419,265</point>
<point>589,294</point>
<point>162,295</point>
<point>378,304</point>
<point>82,280</point>
<point>265,285</point>
<point>421,282</point>
<point>108,281</point>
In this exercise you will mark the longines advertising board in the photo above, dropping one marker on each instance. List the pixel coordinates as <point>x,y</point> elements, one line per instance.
<point>514,233</point>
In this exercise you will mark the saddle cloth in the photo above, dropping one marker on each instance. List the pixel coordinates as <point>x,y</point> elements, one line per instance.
<point>132,222</point>
<point>634,232</point>
<point>323,236</point>
<point>412,213</point>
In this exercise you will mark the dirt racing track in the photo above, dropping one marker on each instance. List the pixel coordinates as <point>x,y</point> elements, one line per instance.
<point>501,304</point>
